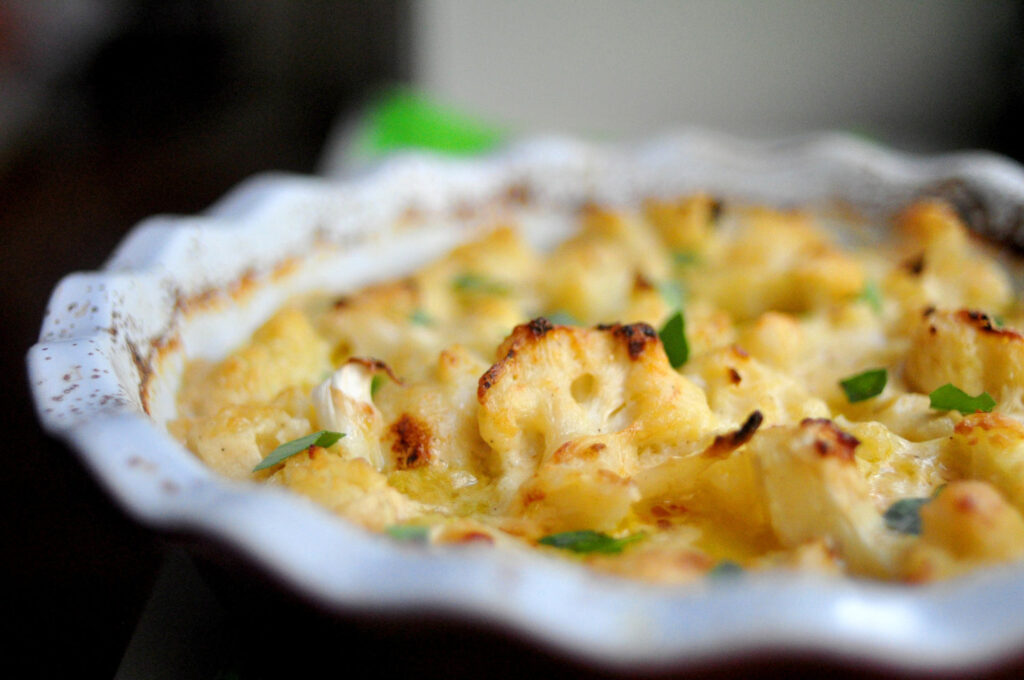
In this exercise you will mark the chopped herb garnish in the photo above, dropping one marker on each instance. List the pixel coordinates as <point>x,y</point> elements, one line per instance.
<point>998,321</point>
<point>375,384</point>
<point>673,337</point>
<point>588,541</point>
<point>864,385</point>
<point>726,569</point>
<point>685,258</point>
<point>323,438</point>
<point>672,293</point>
<point>408,532</point>
<point>421,318</point>
<point>561,318</point>
<point>904,515</point>
<point>475,283</point>
<point>872,295</point>
<point>952,398</point>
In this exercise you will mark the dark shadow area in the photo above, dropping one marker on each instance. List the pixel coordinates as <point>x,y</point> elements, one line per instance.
<point>178,104</point>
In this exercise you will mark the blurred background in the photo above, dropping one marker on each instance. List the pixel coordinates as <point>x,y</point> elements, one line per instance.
<point>112,110</point>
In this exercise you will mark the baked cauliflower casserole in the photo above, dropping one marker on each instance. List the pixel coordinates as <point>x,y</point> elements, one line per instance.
<point>679,389</point>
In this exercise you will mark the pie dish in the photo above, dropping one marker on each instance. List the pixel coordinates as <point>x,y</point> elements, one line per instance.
<point>111,353</point>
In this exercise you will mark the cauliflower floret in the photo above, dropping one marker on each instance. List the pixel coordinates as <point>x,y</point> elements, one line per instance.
<point>440,411</point>
<point>942,266</point>
<point>351,488</point>
<point>482,289</point>
<point>776,261</point>
<point>719,484</point>
<point>684,225</point>
<point>284,351</point>
<point>990,447</point>
<point>965,349</point>
<point>387,321</point>
<point>966,525</point>
<point>344,404</point>
<point>600,274</point>
<point>813,490</point>
<point>894,467</point>
<point>237,438</point>
<point>738,384</point>
<point>555,384</point>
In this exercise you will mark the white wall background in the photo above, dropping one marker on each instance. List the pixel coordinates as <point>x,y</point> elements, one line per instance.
<point>928,73</point>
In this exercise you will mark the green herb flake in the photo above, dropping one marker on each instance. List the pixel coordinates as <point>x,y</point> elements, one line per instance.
<point>409,532</point>
<point>952,398</point>
<point>375,384</point>
<point>725,569</point>
<point>904,515</point>
<point>872,295</point>
<point>475,283</point>
<point>673,338</point>
<point>864,385</point>
<point>323,438</point>
<point>589,541</point>
<point>421,318</point>
<point>562,318</point>
<point>998,321</point>
<point>685,258</point>
<point>672,293</point>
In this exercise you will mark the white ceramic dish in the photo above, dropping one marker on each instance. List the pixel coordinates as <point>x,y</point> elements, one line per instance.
<point>112,341</point>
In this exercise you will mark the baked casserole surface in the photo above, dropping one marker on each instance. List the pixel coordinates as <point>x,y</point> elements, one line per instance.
<point>678,390</point>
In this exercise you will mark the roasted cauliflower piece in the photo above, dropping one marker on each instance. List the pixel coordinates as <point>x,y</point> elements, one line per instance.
<point>349,487</point>
<point>965,348</point>
<point>238,437</point>
<point>966,525</point>
<point>737,384</point>
<point>284,351</point>
<point>990,447</point>
<point>940,265</point>
<point>684,225</point>
<point>813,490</point>
<point>555,384</point>
<point>776,261</point>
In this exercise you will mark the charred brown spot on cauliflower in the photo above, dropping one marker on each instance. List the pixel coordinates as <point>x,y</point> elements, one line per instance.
<point>829,440</point>
<point>412,442</point>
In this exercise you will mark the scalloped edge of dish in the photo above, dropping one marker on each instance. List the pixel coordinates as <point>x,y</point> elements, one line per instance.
<point>105,331</point>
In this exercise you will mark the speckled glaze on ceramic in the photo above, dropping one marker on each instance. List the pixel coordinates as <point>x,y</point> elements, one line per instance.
<point>111,350</point>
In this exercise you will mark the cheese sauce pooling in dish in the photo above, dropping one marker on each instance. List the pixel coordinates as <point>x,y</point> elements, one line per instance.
<point>674,391</point>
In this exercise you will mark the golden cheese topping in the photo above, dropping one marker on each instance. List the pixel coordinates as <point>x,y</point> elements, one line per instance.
<point>675,391</point>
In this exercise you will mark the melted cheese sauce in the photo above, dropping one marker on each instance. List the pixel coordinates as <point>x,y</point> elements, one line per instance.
<point>505,395</point>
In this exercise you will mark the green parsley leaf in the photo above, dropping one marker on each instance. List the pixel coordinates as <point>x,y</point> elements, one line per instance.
<point>673,337</point>
<point>952,398</point>
<point>904,515</point>
<point>409,532</point>
<point>672,293</point>
<point>589,541</point>
<point>561,318</point>
<point>685,258</point>
<point>998,321</point>
<point>872,295</point>
<point>322,438</point>
<point>725,569</point>
<point>864,385</point>
<point>375,384</point>
<point>421,318</point>
<point>475,283</point>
